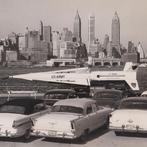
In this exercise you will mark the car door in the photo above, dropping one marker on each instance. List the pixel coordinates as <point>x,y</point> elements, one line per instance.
<point>91,117</point>
<point>102,115</point>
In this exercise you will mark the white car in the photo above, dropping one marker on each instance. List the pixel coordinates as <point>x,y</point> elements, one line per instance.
<point>16,116</point>
<point>71,118</point>
<point>130,117</point>
<point>144,94</point>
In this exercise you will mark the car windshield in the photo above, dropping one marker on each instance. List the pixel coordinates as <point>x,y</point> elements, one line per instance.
<point>70,109</point>
<point>12,109</point>
<point>104,94</point>
<point>133,105</point>
<point>60,96</point>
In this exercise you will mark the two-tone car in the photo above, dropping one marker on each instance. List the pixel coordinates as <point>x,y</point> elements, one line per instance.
<point>130,117</point>
<point>71,118</point>
<point>16,116</point>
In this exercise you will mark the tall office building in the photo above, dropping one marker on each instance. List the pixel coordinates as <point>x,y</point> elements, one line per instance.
<point>47,33</point>
<point>106,41</point>
<point>47,37</point>
<point>66,35</point>
<point>77,28</point>
<point>140,51</point>
<point>56,36</point>
<point>115,32</point>
<point>91,29</point>
<point>41,30</point>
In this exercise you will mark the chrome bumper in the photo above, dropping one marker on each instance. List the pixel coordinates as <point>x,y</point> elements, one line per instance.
<point>8,134</point>
<point>129,130</point>
<point>53,134</point>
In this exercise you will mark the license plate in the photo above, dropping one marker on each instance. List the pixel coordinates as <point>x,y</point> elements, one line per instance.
<point>52,133</point>
<point>130,126</point>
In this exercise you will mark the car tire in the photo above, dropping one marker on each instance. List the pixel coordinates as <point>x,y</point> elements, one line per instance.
<point>118,133</point>
<point>27,134</point>
<point>84,136</point>
<point>106,125</point>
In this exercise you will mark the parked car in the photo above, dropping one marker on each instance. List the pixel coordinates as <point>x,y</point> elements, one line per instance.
<point>55,95</point>
<point>16,116</point>
<point>71,118</point>
<point>144,94</point>
<point>130,117</point>
<point>108,97</point>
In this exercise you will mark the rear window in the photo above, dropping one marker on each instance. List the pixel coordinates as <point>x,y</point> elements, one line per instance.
<point>70,109</point>
<point>133,105</point>
<point>60,96</point>
<point>104,94</point>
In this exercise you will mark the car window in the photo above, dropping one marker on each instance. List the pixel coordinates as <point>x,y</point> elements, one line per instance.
<point>72,95</point>
<point>70,109</point>
<point>39,107</point>
<point>56,96</point>
<point>12,109</point>
<point>133,105</point>
<point>144,95</point>
<point>107,95</point>
<point>89,109</point>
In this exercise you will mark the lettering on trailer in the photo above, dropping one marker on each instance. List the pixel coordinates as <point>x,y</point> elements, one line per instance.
<point>57,76</point>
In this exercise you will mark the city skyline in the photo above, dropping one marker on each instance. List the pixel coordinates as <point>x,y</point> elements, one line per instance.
<point>16,15</point>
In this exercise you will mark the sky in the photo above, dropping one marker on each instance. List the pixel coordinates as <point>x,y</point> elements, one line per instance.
<point>16,15</point>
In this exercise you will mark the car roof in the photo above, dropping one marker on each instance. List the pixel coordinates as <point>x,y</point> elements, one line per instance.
<point>139,98</point>
<point>23,102</point>
<point>145,92</point>
<point>62,91</point>
<point>76,102</point>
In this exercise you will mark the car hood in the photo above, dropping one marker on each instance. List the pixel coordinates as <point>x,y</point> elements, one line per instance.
<point>55,121</point>
<point>6,119</point>
<point>128,116</point>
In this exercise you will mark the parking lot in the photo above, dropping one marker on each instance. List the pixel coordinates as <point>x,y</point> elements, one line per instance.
<point>101,138</point>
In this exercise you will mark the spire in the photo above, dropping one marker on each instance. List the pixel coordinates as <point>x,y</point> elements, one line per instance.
<point>77,15</point>
<point>115,16</point>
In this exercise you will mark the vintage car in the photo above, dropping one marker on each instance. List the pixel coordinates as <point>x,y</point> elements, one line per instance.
<point>144,94</point>
<point>16,116</point>
<point>71,118</point>
<point>108,97</point>
<point>55,95</point>
<point>130,117</point>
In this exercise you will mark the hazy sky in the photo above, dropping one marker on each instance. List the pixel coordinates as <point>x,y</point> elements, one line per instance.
<point>16,15</point>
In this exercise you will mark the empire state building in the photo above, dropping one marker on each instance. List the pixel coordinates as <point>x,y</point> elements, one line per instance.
<point>116,32</point>
<point>77,28</point>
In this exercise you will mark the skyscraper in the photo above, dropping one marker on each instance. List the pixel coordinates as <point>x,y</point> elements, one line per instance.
<point>140,50</point>
<point>66,35</point>
<point>77,28</point>
<point>41,30</point>
<point>47,37</point>
<point>106,41</point>
<point>91,29</point>
<point>47,33</point>
<point>116,32</point>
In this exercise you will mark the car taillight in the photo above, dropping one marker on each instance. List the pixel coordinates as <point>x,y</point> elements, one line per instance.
<point>72,125</point>
<point>13,125</point>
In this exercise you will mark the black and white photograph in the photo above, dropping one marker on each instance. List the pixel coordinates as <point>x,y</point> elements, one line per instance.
<point>73,73</point>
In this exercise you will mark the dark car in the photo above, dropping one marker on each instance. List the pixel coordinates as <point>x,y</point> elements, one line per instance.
<point>55,95</point>
<point>29,106</point>
<point>108,97</point>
